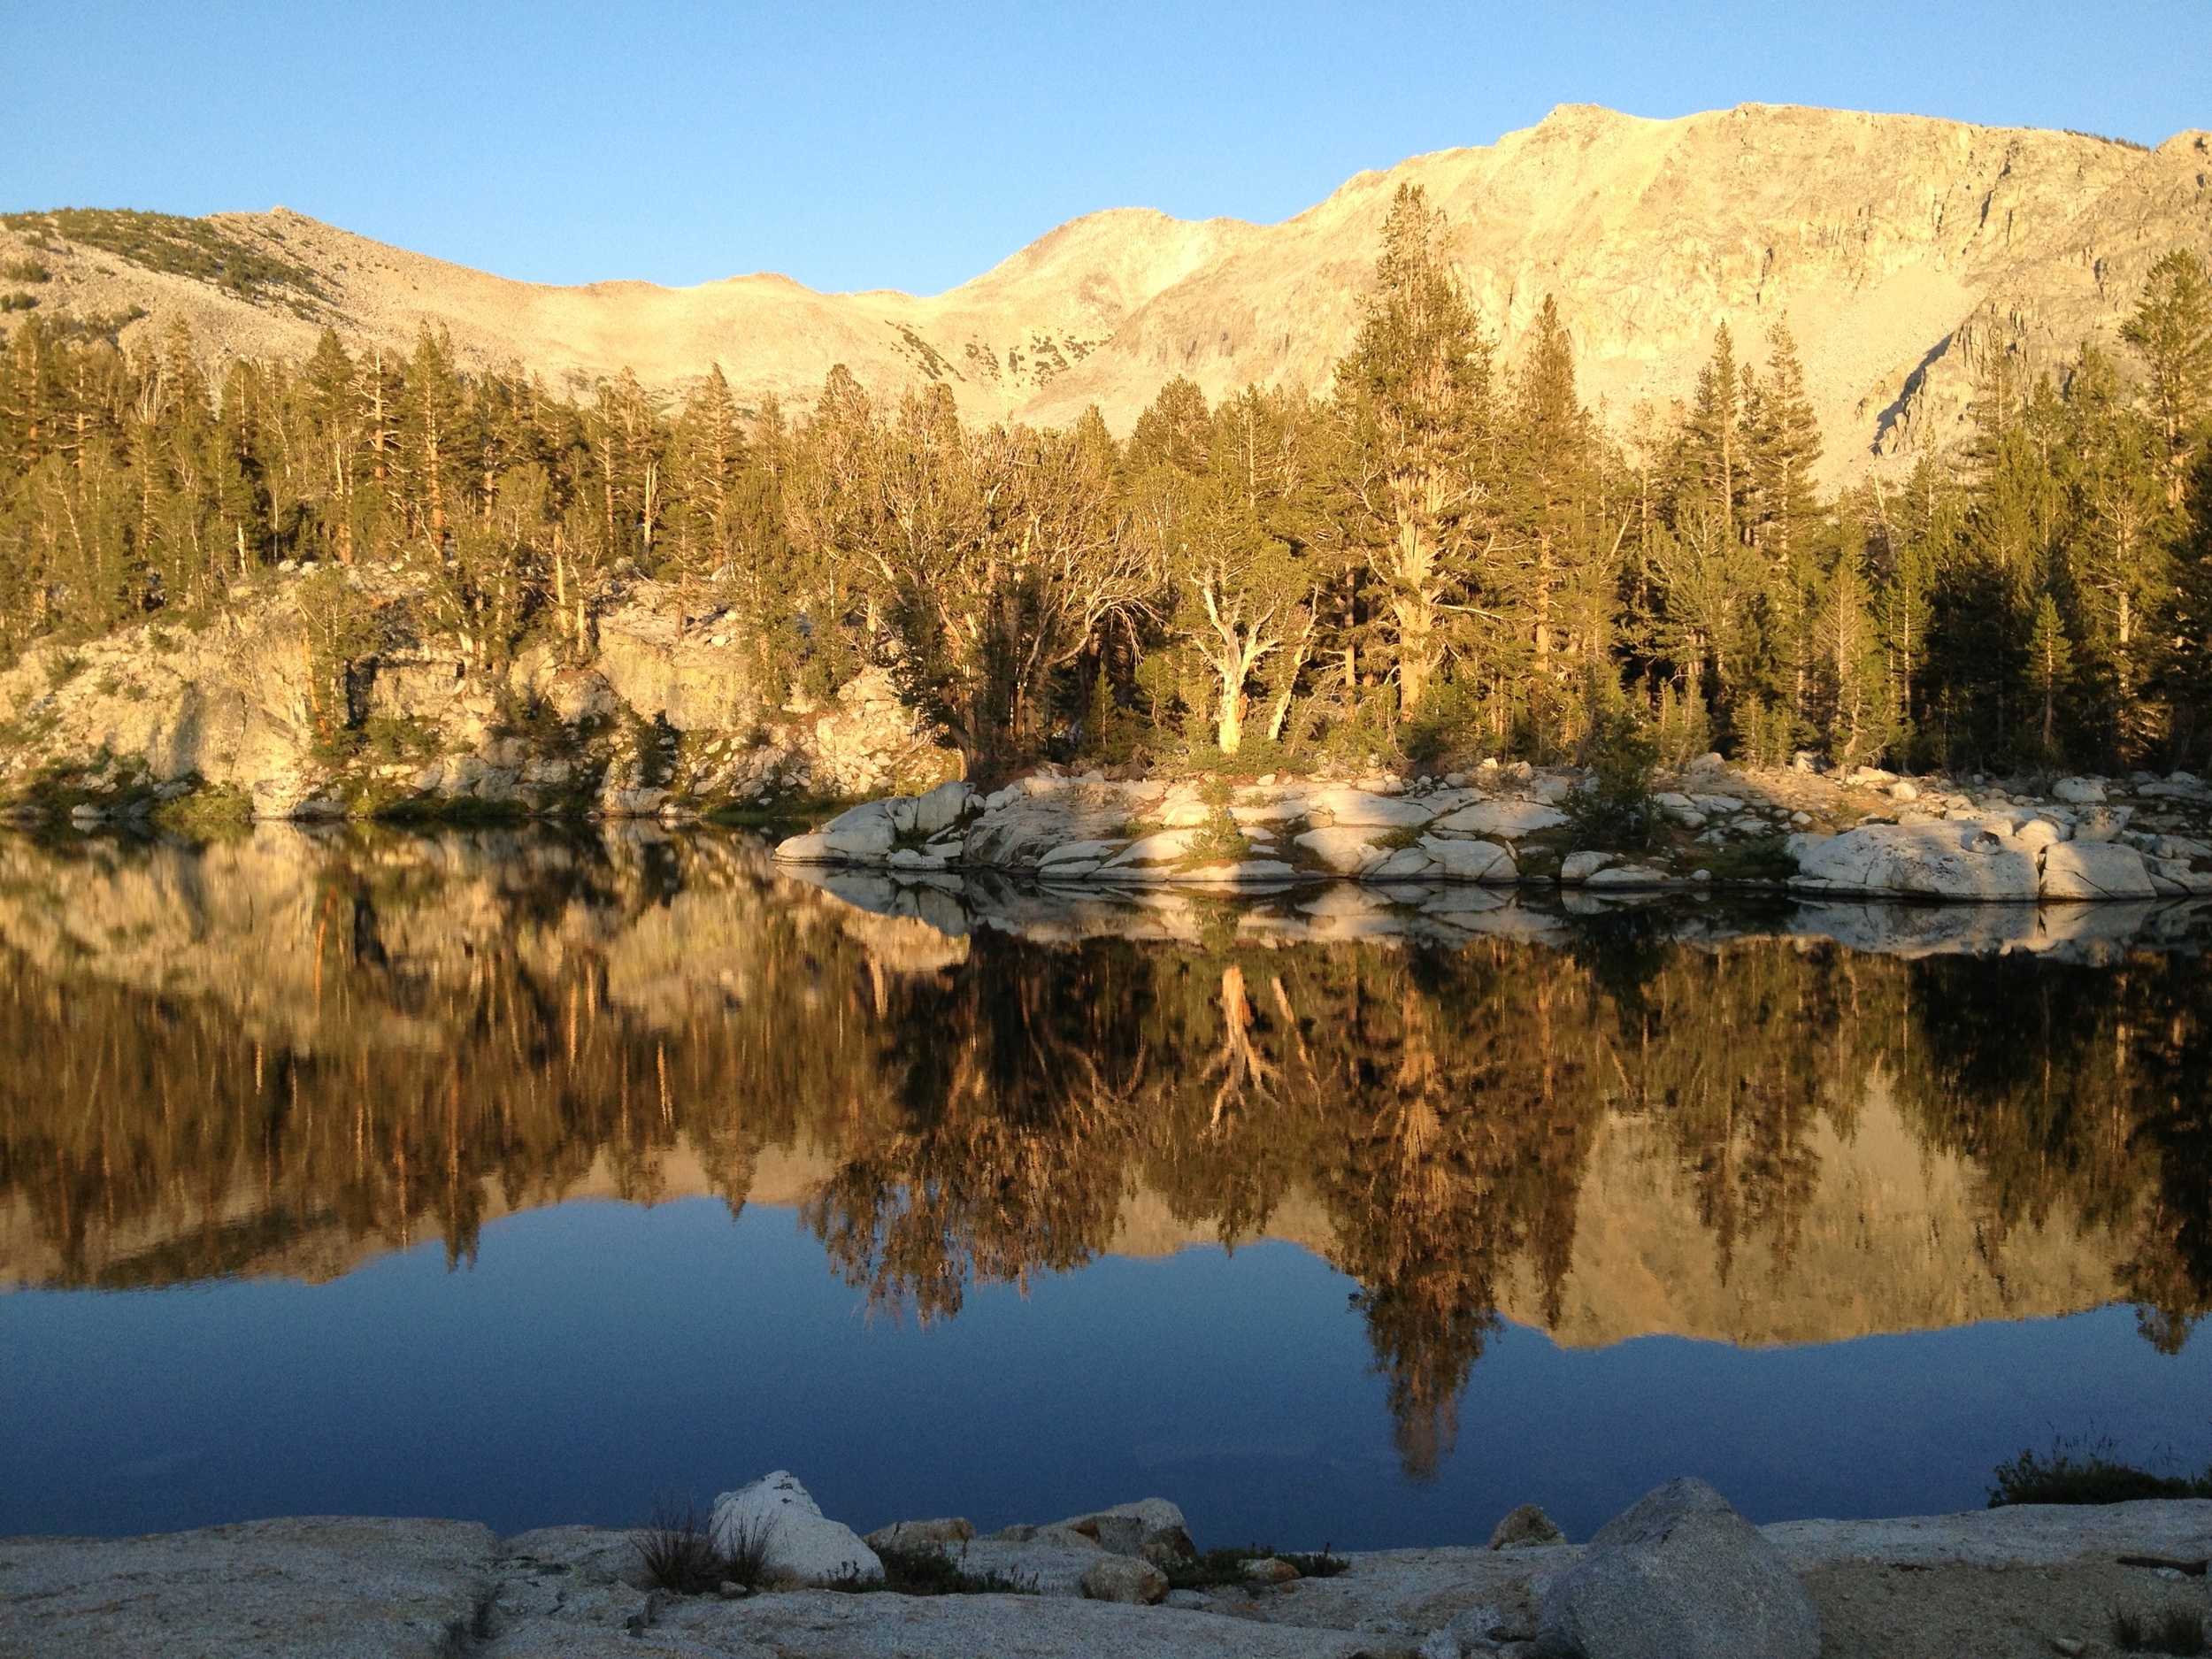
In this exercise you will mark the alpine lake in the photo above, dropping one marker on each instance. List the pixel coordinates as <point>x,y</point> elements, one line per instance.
<point>525,1176</point>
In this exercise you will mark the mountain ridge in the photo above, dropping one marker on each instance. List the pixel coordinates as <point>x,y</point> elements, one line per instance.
<point>1896,246</point>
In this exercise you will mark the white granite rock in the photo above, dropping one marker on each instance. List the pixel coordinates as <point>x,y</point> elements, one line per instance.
<point>1345,851</point>
<point>1941,860</point>
<point>332,1587</point>
<point>1357,809</point>
<point>1626,876</point>
<point>1471,861</point>
<point>2095,870</point>
<point>1404,864</point>
<point>1580,866</point>
<point>1097,851</point>
<point>1240,872</point>
<point>1511,819</point>
<point>800,1540</point>
<point>1165,848</point>
<point>943,807</point>
<point>1151,1527</point>
<point>2078,791</point>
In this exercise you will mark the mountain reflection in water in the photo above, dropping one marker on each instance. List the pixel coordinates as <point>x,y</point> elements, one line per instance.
<point>283,1054</point>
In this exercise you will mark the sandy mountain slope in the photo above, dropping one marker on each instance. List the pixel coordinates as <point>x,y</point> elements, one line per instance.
<point>1893,244</point>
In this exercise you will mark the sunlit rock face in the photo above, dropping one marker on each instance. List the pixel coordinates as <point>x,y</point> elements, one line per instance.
<point>291,1050</point>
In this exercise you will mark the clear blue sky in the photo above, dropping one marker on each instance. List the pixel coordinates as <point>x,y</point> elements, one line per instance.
<point>912,146</point>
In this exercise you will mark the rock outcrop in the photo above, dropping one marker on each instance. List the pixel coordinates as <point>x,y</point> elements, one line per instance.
<point>1505,825</point>
<point>779,1517</point>
<point>654,715</point>
<point>1067,829</point>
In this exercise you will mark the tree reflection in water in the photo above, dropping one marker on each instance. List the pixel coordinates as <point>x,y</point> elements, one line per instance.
<point>285,1053</point>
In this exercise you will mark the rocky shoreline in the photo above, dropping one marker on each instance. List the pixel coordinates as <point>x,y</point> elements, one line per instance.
<point>1868,834</point>
<point>653,716</point>
<point>1678,1573</point>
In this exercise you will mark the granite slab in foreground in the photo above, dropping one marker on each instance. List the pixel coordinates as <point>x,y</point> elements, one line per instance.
<point>2029,1580</point>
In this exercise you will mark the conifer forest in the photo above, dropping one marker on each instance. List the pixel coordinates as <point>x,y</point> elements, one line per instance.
<point>1446,552</point>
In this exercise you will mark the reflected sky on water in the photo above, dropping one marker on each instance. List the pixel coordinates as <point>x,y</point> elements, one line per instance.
<point>523,1177</point>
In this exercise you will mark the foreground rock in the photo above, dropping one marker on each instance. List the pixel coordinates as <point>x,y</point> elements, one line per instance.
<point>345,1588</point>
<point>1978,1585</point>
<point>796,1539</point>
<point>1679,1575</point>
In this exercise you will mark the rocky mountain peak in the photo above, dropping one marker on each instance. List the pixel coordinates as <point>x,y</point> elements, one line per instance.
<point>1894,246</point>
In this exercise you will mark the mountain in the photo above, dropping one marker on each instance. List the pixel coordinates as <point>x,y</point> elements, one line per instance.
<point>1893,244</point>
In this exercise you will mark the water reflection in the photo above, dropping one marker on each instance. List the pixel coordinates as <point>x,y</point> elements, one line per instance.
<point>289,1052</point>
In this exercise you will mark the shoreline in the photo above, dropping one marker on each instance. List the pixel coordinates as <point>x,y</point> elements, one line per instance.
<point>2020,1579</point>
<point>1711,829</point>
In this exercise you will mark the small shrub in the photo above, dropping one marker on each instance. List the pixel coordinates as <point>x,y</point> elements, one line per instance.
<point>1213,1569</point>
<point>933,1572</point>
<point>1616,813</point>
<point>1218,1567</point>
<point>678,1553</point>
<point>392,739</point>
<point>25,270</point>
<point>2079,1471</point>
<point>2180,1629</point>
<point>2175,1629</point>
<point>745,1559</point>
<point>1219,841</point>
<point>63,669</point>
<point>207,812</point>
<point>18,301</point>
<point>1756,858</point>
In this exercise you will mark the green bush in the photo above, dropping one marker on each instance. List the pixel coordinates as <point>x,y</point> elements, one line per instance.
<point>1617,812</point>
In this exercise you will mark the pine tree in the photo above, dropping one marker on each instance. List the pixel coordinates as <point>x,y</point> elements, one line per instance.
<point>432,448</point>
<point>1415,393</point>
<point>1175,431</point>
<point>2172,331</point>
<point>2118,564</point>
<point>2050,663</point>
<point>1860,723</point>
<point>1712,438</point>
<point>1562,584</point>
<point>1781,446</point>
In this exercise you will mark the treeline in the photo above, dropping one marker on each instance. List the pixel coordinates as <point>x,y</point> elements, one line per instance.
<point>1447,556</point>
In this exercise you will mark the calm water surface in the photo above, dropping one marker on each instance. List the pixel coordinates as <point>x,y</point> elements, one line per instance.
<point>523,1178</point>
